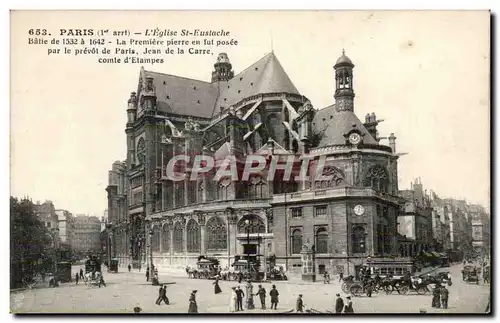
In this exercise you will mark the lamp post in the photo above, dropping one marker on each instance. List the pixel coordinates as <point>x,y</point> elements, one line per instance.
<point>109,227</point>
<point>151,266</point>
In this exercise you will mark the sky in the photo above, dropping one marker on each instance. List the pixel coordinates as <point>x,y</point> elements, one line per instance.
<point>425,73</point>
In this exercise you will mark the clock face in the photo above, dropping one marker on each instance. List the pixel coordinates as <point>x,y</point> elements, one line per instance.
<point>354,138</point>
<point>359,210</point>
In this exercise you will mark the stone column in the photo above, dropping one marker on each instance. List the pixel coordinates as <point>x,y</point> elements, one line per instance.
<point>232,242</point>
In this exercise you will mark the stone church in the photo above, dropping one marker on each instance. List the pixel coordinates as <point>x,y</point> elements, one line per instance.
<point>257,111</point>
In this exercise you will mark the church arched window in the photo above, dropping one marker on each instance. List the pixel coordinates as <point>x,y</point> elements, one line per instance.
<point>155,239</point>
<point>193,236</point>
<point>178,237</point>
<point>377,178</point>
<point>255,225</point>
<point>358,240</point>
<point>141,151</point>
<point>336,178</point>
<point>296,241</point>
<point>321,240</point>
<point>165,235</point>
<point>216,232</point>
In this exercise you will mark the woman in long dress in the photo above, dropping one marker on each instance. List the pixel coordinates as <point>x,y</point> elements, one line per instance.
<point>217,289</point>
<point>193,307</point>
<point>232,300</point>
<point>435,296</point>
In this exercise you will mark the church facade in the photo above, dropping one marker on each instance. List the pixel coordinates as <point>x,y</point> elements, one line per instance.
<point>348,214</point>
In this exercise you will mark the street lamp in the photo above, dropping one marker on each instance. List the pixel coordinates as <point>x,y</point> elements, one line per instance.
<point>54,256</point>
<point>151,266</point>
<point>109,227</point>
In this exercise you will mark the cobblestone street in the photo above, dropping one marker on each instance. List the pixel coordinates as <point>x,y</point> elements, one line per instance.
<point>126,290</point>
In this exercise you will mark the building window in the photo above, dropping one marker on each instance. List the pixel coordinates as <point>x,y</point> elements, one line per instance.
<point>321,269</point>
<point>377,178</point>
<point>321,240</point>
<point>296,241</point>
<point>178,237</point>
<point>222,188</point>
<point>191,192</point>
<point>141,151</point>
<point>320,210</point>
<point>358,240</point>
<point>216,232</point>
<point>193,236</point>
<point>256,188</point>
<point>179,194</point>
<point>200,192</point>
<point>336,178</point>
<point>296,212</point>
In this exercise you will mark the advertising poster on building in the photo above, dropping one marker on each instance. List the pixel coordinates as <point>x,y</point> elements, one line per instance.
<point>250,162</point>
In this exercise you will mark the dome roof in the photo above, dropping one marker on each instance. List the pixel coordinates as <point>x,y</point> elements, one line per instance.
<point>223,58</point>
<point>344,60</point>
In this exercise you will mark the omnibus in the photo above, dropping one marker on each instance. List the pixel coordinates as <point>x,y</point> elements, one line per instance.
<point>384,267</point>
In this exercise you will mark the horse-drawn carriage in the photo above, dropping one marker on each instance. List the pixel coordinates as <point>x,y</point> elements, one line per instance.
<point>206,269</point>
<point>470,274</point>
<point>277,273</point>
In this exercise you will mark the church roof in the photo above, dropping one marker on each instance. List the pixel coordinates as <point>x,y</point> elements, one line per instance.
<point>185,96</point>
<point>336,124</point>
<point>264,76</point>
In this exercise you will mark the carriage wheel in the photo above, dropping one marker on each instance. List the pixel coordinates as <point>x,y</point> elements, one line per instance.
<point>345,288</point>
<point>404,290</point>
<point>356,290</point>
<point>388,289</point>
<point>421,290</point>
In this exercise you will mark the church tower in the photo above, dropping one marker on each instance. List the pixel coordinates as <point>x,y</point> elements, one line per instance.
<point>344,92</point>
<point>223,68</point>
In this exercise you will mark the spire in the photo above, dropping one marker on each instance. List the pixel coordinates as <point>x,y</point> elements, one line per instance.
<point>223,69</point>
<point>344,93</point>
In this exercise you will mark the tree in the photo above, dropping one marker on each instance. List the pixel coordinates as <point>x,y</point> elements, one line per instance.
<point>28,240</point>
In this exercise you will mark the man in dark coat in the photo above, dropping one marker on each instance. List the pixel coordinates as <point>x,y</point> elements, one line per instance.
<point>274,297</point>
<point>81,273</point>
<point>436,296</point>
<point>341,276</point>
<point>348,308</point>
<point>300,304</point>
<point>262,295</point>
<point>239,299</point>
<point>129,267</point>
<point>147,274</point>
<point>160,296</point>
<point>444,297</point>
<point>339,304</point>
<point>77,277</point>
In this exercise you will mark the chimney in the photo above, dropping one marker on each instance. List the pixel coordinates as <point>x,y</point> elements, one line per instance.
<point>392,143</point>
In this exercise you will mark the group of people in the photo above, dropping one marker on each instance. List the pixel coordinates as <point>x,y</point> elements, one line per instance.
<point>440,297</point>
<point>154,278</point>
<point>92,276</point>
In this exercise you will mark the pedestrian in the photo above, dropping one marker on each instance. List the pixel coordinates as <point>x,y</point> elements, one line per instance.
<point>147,274</point>
<point>300,304</point>
<point>81,273</point>
<point>239,299</point>
<point>436,293</point>
<point>232,301</point>
<point>137,310</point>
<point>348,308</point>
<point>217,289</point>
<point>341,277</point>
<point>339,304</point>
<point>444,297</point>
<point>193,307</point>
<point>77,277</point>
<point>262,295</point>
<point>101,280</point>
<point>240,277</point>
<point>369,288</point>
<point>160,296</point>
<point>274,297</point>
<point>129,267</point>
